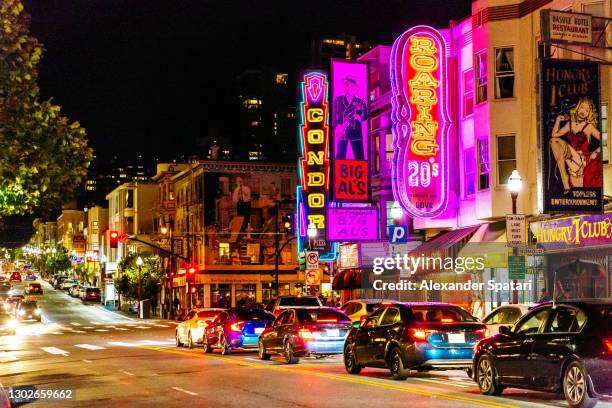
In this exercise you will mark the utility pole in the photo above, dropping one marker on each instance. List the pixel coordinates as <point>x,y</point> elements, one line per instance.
<point>276,254</point>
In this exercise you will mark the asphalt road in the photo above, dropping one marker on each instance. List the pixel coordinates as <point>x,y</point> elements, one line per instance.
<point>108,360</point>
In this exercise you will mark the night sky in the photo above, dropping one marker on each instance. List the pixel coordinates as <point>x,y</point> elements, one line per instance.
<point>148,77</point>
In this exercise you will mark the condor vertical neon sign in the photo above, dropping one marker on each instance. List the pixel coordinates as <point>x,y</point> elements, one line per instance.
<point>313,194</point>
<point>420,121</point>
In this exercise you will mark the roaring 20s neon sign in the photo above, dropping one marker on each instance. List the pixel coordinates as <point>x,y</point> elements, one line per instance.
<point>314,162</point>
<point>420,121</point>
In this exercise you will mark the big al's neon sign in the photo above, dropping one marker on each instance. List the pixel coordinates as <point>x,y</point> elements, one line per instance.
<point>313,193</point>
<point>420,121</point>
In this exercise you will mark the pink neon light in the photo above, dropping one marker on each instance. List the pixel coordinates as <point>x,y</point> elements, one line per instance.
<point>421,193</point>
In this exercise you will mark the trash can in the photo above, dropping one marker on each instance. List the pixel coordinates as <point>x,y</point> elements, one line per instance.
<point>144,309</point>
<point>110,305</point>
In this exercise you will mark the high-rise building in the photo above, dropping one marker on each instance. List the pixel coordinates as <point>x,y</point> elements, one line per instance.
<point>343,46</point>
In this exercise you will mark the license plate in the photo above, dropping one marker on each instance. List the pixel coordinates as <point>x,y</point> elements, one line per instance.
<point>333,332</point>
<point>456,337</point>
<point>259,330</point>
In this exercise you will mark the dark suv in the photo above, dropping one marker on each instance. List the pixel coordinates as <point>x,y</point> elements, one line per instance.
<point>566,347</point>
<point>418,336</point>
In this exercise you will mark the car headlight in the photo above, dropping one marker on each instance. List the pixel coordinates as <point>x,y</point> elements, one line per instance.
<point>12,323</point>
<point>36,311</point>
<point>21,312</point>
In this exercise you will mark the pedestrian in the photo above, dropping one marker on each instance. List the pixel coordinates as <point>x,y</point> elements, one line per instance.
<point>177,305</point>
<point>545,296</point>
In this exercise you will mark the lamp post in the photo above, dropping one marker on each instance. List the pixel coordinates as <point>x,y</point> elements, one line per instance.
<point>515,184</point>
<point>312,234</point>
<point>169,231</point>
<point>139,263</point>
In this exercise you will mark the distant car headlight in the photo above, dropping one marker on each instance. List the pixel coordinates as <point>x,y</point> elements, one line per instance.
<point>21,312</point>
<point>12,323</point>
<point>37,311</point>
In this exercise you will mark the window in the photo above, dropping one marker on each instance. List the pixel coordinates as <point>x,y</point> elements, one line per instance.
<point>376,315</point>
<point>532,323</point>
<point>504,73</point>
<point>483,164</point>
<point>605,147</point>
<point>480,65</point>
<point>377,154</point>
<point>566,320</point>
<point>511,316</point>
<point>506,158</point>
<point>392,316</point>
<point>469,164</point>
<point>224,252</point>
<point>390,220</point>
<point>494,318</point>
<point>468,92</point>
<point>129,198</point>
<point>389,152</point>
<point>245,295</point>
<point>286,187</point>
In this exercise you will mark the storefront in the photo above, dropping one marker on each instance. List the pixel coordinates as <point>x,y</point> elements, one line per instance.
<point>577,261</point>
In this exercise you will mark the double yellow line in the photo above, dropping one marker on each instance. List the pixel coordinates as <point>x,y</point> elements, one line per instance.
<point>345,378</point>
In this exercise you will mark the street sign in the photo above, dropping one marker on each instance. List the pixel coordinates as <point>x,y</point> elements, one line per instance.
<point>530,250</point>
<point>398,234</point>
<point>312,260</point>
<point>178,247</point>
<point>516,267</point>
<point>515,228</point>
<point>312,277</point>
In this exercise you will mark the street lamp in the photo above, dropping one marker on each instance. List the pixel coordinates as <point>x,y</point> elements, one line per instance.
<point>515,184</point>
<point>164,230</point>
<point>312,233</point>
<point>396,212</point>
<point>139,263</point>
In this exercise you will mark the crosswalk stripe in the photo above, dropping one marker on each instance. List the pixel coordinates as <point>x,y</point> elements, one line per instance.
<point>8,359</point>
<point>89,346</point>
<point>126,372</point>
<point>75,323</point>
<point>101,330</point>
<point>185,391</point>
<point>55,350</point>
<point>121,328</point>
<point>88,327</point>
<point>79,331</point>
<point>142,327</point>
<point>121,343</point>
<point>160,325</point>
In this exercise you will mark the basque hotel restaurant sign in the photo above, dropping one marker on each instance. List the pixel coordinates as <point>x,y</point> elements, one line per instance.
<point>350,175</point>
<point>420,173</point>
<point>570,137</point>
<point>313,192</point>
<point>563,27</point>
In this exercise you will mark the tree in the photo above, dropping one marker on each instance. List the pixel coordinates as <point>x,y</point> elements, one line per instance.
<point>43,155</point>
<point>59,261</point>
<point>150,276</point>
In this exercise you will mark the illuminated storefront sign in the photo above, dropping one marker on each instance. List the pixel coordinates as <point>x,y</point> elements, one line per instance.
<point>352,224</point>
<point>313,193</point>
<point>350,133</point>
<point>574,232</point>
<point>420,121</point>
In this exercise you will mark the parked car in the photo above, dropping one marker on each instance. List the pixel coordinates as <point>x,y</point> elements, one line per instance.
<point>300,332</point>
<point>190,330</point>
<point>34,288</point>
<point>30,277</point>
<point>15,277</point>
<point>504,315</point>
<point>28,310</point>
<point>67,283</point>
<point>8,325</point>
<point>91,295</point>
<point>359,309</point>
<point>11,303</point>
<point>58,281</point>
<point>562,348</point>
<point>276,306</point>
<point>236,328</point>
<point>414,336</point>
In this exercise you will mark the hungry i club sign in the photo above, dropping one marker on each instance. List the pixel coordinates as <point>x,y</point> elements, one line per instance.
<point>420,121</point>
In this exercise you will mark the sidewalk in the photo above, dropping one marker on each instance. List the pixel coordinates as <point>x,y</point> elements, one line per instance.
<point>131,317</point>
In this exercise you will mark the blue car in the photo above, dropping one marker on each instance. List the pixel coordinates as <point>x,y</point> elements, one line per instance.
<point>301,332</point>
<point>236,328</point>
<point>414,336</point>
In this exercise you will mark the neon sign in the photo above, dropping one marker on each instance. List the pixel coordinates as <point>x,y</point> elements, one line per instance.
<point>313,192</point>
<point>420,121</point>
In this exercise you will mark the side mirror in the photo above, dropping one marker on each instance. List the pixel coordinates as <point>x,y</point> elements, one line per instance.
<point>356,324</point>
<point>505,330</point>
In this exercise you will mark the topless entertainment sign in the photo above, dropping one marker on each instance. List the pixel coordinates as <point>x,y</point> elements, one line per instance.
<point>572,170</point>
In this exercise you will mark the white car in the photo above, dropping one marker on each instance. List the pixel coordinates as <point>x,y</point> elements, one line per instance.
<point>357,309</point>
<point>190,330</point>
<point>505,315</point>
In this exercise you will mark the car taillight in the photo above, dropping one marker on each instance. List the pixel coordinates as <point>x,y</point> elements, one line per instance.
<point>608,345</point>
<point>306,334</point>
<point>484,332</point>
<point>421,334</point>
<point>446,320</point>
<point>237,327</point>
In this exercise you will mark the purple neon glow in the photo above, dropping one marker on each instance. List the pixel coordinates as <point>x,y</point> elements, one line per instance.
<point>352,224</point>
<point>401,116</point>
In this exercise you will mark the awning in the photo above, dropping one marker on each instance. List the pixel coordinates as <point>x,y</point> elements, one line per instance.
<point>489,242</point>
<point>347,279</point>
<point>445,243</point>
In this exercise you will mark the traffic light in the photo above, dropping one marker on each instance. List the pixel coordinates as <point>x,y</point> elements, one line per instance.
<point>287,223</point>
<point>114,239</point>
<point>191,270</point>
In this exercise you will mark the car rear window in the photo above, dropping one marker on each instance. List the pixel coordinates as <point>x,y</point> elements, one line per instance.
<point>204,314</point>
<point>35,285</point>
<point>441,314</point>
<point>93,290</point>
<point>28,305</point>
<point>299,301</point>
<point>322,316</point>
<point>251,314</point>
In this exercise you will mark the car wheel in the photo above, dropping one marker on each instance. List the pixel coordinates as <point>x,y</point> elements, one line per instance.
<point>575,386</point>
<point>396,365</point>
<point>262,351</point>
<point>189,341</point>
<point>350,362</point>
<point>290,358</point>
<point>225,348</point>
<point>178,340</point>
<point>205,345</point>
<point>486,377</point>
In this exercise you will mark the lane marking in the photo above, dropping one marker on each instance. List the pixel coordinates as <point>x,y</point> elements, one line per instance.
<point>161,325</point>
<point>75,324</point>
<point>121,343</point>
<point>87,327</point>
<point>79,331</point>
<point>121,328</point>
<point>440,382</point>
<point>55,350</point>
<point>101,330</point>
<point>142,327</point>
<point>8,359</point>
<point>87,361</point>
<point>89,346</point>
<point>185,391</point>
<point>126,372</point>
<point>345,378</point>
<point>157,342</point>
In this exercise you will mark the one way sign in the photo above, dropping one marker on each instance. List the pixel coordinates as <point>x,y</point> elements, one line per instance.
<point>312,260</point>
